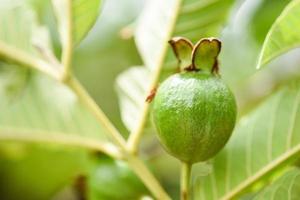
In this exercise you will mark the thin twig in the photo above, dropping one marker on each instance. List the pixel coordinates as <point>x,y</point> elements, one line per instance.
<point>136,164</point>
<point>20,57</point>
<point>135,136</point>
<point>86,100</point>
<point>68,44</point>
<point>282,160</point>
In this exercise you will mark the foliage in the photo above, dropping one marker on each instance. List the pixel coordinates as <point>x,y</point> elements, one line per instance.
<point>53,133</point>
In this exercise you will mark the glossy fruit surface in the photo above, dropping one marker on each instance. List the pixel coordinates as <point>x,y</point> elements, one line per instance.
<point>194,114</point>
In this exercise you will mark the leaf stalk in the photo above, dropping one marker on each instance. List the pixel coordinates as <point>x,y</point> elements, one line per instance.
<point>90,104</point>
<point>135,135</point>
<point>68,44</point>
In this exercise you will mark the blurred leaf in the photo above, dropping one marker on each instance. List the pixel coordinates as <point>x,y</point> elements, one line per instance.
<point>35,172</point>
<point>13,80</point>
<point>262,141</point>
<point>284,34</point>
<point>159,21</point>
<point>42,110</point>
<point>114,180</point>
<point>48,112</point>
<point>286,187</point>
<point>18,23</point>
<point>264,16</point>
<point>131,87</point>
<point>20,30</point>
<point>84,14</point>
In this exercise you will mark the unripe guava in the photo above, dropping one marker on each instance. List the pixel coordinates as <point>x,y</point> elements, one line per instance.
<point>194,113</point>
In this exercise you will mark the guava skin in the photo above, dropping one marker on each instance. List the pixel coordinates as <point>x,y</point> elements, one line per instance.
<point>194,114</point>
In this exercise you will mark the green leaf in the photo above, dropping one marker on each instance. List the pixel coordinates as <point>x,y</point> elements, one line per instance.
<point>34,172</point>
<point>108,176</point>
<point>269,11</point>
<point>49,112</point>
<point>40,110</point>
<point>284,34</point>
<point>83,16</point>
<point>158,23</point>
<point>286,187</point>
<point>161,20</point>
<point>131,87</point>
<point>13,80</point>
<point>17,23</point>
<point>263,140</point>
<point>19,30</point>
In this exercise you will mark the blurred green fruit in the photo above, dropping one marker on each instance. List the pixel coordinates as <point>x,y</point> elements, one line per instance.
<point>32,172</point>
<point>114,180</point>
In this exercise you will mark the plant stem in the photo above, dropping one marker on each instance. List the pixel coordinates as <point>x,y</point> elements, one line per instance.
<point>136,164</point>
<point>68,43</point>
<point>147,178</point>
<point>185,180</point>
<point>98,113</point>
<point>135,136</point>
<point>25,59</point>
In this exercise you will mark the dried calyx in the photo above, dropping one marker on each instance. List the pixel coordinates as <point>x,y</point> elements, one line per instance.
<point>201,56</point>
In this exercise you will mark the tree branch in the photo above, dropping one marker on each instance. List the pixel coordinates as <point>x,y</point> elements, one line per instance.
<point>86,100</point>
<point>20,57</point>
<point>136,135</point>
<point>68,44</point>
<point>136,164</point>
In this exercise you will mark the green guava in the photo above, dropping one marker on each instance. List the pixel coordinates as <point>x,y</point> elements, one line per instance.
<point>194,114</point>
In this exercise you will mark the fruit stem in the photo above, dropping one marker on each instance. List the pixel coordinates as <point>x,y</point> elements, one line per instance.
<point>185,180</point>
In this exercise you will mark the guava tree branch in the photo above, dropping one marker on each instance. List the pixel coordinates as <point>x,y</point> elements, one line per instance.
<point>13,54</point>
<point>135,135</point>
<point>134,162</point>
<point>90,104</point>
<point>68,43</point>
<point>24,59</point>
